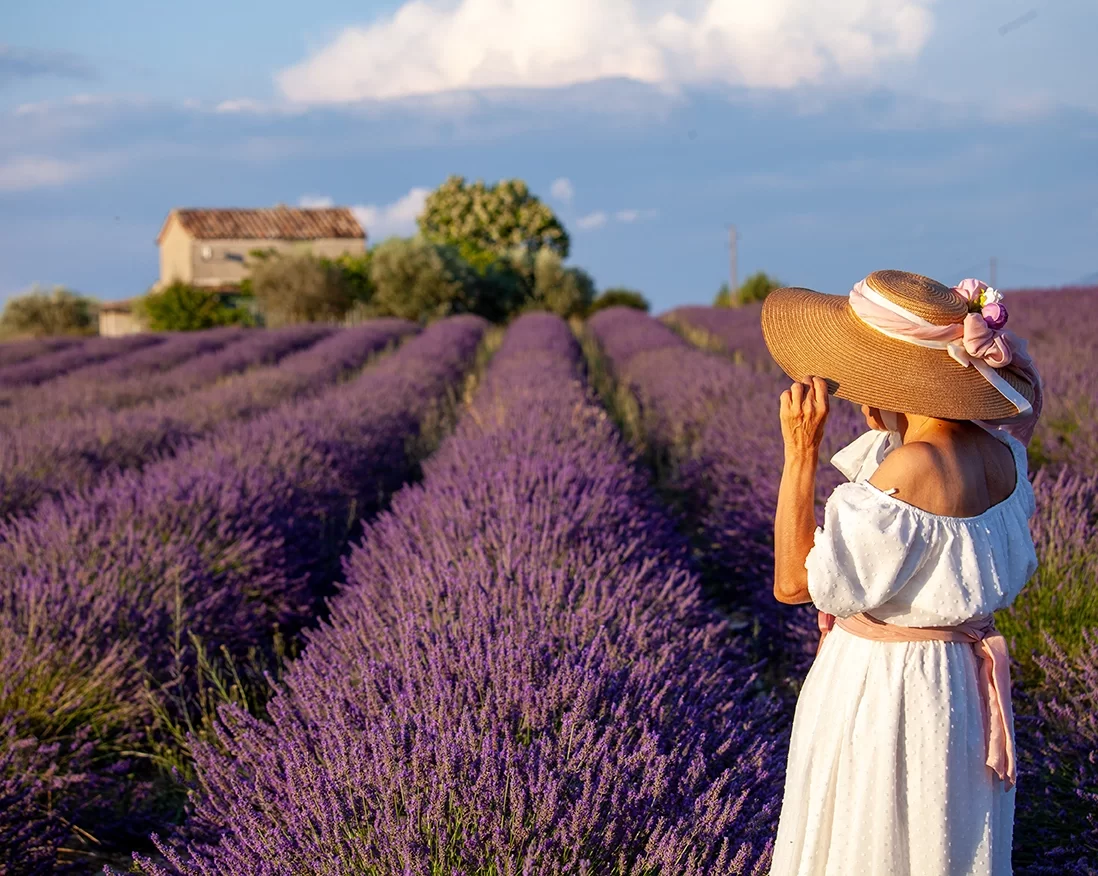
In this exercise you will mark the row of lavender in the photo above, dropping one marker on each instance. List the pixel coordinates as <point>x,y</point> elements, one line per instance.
<point>236,534</point>
<point>520,675</point>
<point>718,422</point>
<point>17,352</point>
<point>50,456</point>
<point>92,385</point>
<point>49,359</point>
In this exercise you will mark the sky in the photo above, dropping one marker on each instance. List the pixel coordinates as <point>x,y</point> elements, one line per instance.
<point>838,138</point>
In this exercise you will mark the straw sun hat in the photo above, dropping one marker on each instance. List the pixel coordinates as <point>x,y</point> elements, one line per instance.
<point>810,333</point>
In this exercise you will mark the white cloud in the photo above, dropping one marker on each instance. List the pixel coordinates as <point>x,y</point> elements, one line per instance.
<point>35,171</point>
<point>562,190</point>
<point>431,46</point>
<point>629,216</point>
<point>397,218</point>
<point>240,105</point>
<point>592,220</point>
<point>315,201</point>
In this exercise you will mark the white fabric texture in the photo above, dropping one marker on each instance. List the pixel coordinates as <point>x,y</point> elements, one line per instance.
<point>886,774</point>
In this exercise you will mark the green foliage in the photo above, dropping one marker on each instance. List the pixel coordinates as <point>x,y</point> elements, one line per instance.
<point>300,288</point>
<point>619,297</point>
<point>491,219</point>
<point>419,280</point>
<point>561,290</point>
<point>40,313</point>
<point>179,307</point>
<point>356,273</point>
<point>754,288</point>
<point>757,287</point>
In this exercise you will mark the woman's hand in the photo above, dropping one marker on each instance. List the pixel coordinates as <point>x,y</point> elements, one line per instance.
<point>803,413</point>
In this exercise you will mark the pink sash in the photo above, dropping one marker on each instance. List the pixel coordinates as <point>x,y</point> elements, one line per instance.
<point>991,651</point>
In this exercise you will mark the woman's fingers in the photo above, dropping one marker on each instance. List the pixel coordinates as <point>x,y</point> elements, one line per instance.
<point>819,388</point>
<point>797,391</point>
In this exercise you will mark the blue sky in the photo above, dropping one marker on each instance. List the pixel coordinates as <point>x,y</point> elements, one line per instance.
<point>900,133</point>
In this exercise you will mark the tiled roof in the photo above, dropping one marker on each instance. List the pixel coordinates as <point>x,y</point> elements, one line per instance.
<point>116,306</point>
<point>274,223</point>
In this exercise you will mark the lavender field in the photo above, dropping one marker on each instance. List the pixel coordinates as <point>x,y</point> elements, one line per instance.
<point>456,599</point>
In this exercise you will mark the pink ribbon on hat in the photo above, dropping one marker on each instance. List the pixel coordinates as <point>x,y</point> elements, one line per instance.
<point>971,343</point>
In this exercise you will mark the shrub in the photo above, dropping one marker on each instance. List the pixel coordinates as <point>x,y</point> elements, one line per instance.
<point>619,297</point>
<point>179,307</point>
<point>754,288</point>
<point>48,313</point>
<point>300,288</point>
<point>356,273</point>
<point>418,280</point>
<point>551,285</point>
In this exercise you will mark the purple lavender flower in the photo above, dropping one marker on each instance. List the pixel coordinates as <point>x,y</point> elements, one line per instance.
<point>520,674</point>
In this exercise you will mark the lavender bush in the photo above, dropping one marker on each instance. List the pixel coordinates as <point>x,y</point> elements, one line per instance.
<point>224,541</point>
<point>735,331</point>
<point>16,352</point>
<point>520,675</point>
<point>1058,832</point>
<point>98,385</point>
<point>711,425</point>
<point>46,367</point>
<point>51,458</point>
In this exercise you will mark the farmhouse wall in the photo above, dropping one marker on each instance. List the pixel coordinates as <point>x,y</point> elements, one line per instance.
<point>219,262</point>
<point>114,323</point>
<point>175,254</point>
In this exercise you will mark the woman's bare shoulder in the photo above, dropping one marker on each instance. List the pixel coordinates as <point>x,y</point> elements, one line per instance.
<point>941,481</point>
<point>906,465</point>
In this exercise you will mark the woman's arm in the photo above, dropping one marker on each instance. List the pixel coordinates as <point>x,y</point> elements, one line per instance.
<point>804,410</point>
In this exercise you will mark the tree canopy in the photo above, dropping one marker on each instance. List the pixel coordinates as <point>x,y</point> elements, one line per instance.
<point>476,217</point>
<point>754,288</point>
<point>420,280</point>
<point>300,288</point>
<point>39,313</point>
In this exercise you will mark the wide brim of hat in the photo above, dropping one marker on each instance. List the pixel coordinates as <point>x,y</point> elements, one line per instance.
<point>810,333</point>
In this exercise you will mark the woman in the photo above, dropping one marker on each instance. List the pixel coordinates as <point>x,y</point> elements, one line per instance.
<point>901,759</point>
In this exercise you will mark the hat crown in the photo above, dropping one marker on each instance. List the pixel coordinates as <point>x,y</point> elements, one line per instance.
<point>921,295</point>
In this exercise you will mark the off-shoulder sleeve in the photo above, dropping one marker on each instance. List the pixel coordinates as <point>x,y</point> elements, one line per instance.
<point>868,548</point>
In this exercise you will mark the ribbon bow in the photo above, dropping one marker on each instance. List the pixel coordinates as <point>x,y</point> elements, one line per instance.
<point>978,341</point>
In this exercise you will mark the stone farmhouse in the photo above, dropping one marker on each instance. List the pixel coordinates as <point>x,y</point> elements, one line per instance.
<point>209,248</point>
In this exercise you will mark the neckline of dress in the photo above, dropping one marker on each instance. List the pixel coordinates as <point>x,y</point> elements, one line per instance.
<point>1007,439</point>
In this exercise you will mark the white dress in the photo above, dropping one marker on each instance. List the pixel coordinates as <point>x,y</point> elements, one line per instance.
<point>886,774</point>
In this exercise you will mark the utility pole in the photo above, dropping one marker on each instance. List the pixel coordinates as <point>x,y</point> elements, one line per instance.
<point>994,271</point>
<point>732,238</point>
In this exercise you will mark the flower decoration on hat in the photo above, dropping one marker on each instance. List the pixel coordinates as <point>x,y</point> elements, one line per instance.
<point>984,300</point>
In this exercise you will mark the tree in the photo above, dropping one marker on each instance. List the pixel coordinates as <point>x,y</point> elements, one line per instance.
<point>180,307</point>
<point>551,285</point>
<point>59,311</point>
<point>619,297</point>
<point>300,288</point>
<point>356,272</point>
<point>754,288</point>
<point>478,218</point>
<point>419,280</point>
